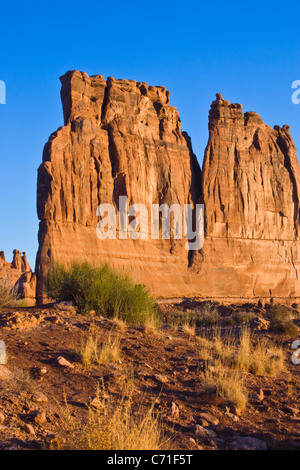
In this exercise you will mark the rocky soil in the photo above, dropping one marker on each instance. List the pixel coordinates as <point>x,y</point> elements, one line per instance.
<point>42,375</point>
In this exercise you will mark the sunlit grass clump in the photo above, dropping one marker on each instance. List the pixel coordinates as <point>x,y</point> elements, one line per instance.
<point>229,358</point>
<point>97,349</point>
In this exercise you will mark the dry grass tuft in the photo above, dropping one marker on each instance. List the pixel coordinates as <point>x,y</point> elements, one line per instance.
<point>95,349</point>
<point>259,358</point>
<point>151,325</point>
<point>113,426</point>
<point>228,384</point>
<point>228,357</point>
<point>120,324</point>
<point>189,328</point>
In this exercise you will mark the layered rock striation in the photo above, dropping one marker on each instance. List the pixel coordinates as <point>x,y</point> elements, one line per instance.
<point>122,138</point>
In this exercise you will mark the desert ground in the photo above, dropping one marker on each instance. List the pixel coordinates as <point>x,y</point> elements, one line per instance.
<point>53,389</point>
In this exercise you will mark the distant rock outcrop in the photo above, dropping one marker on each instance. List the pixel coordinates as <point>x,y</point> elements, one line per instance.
<point>122,137</point>
<point>18,276</point>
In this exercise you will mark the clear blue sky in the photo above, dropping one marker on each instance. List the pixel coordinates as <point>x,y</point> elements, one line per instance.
<point>248,51</point>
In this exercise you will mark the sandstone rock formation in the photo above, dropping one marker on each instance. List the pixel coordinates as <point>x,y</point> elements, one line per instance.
<point>251,188</point>
<point>18,276</point>
<point>122,137</point>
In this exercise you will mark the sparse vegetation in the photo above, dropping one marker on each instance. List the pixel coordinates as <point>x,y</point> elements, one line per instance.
<point>259,358</point>
<point>208,315</point>
<point>227,357</point>
<point>97,350</point>
<point>113,426</point>
<point>20,381</point>
<point>281,319</point>
<point>103,290</point>
<point>227,384</point>
<point>8,296</point>
<point>189,329</point>
<point>152,324</point>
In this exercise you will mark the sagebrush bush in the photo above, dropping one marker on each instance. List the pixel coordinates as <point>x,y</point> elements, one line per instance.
<point>281,319</point>
<point>101,289</point>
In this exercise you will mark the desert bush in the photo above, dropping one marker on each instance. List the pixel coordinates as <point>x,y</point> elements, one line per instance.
<point>101,289</point>
<point>113,426</point>
<point>281,320</point>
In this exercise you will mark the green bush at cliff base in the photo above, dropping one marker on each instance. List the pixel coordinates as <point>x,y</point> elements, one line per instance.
<point>103,290</point>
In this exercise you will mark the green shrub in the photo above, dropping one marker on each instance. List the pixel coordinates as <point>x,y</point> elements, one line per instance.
<point>101,289</point>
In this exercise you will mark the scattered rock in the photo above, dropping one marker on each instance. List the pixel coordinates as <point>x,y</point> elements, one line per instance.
<point>39,397</point>
<point>30,429</point>
<point>5,373</point>
<point>210,418</point>
<point>291,410</point>
<point>236,410</point>
<point>97,403</point>
<point>259,396</point>
<point>259,323</point>
<point>161,378</point>
<point>55,441</point>
<point>2,417</point>
<point>64,363</point>
<point>193,442</point>
<point>40,417</point>
<point>232,416</point>
<point>174,410</point>
<point>247,443</point>
<point>203,432</point>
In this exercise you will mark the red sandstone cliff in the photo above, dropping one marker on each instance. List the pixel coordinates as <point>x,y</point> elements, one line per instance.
<point>251,188</point>
<point>120,138</point>
<point>123,138</point>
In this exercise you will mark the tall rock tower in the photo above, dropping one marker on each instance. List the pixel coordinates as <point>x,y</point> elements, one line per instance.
<point>122,138</point>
